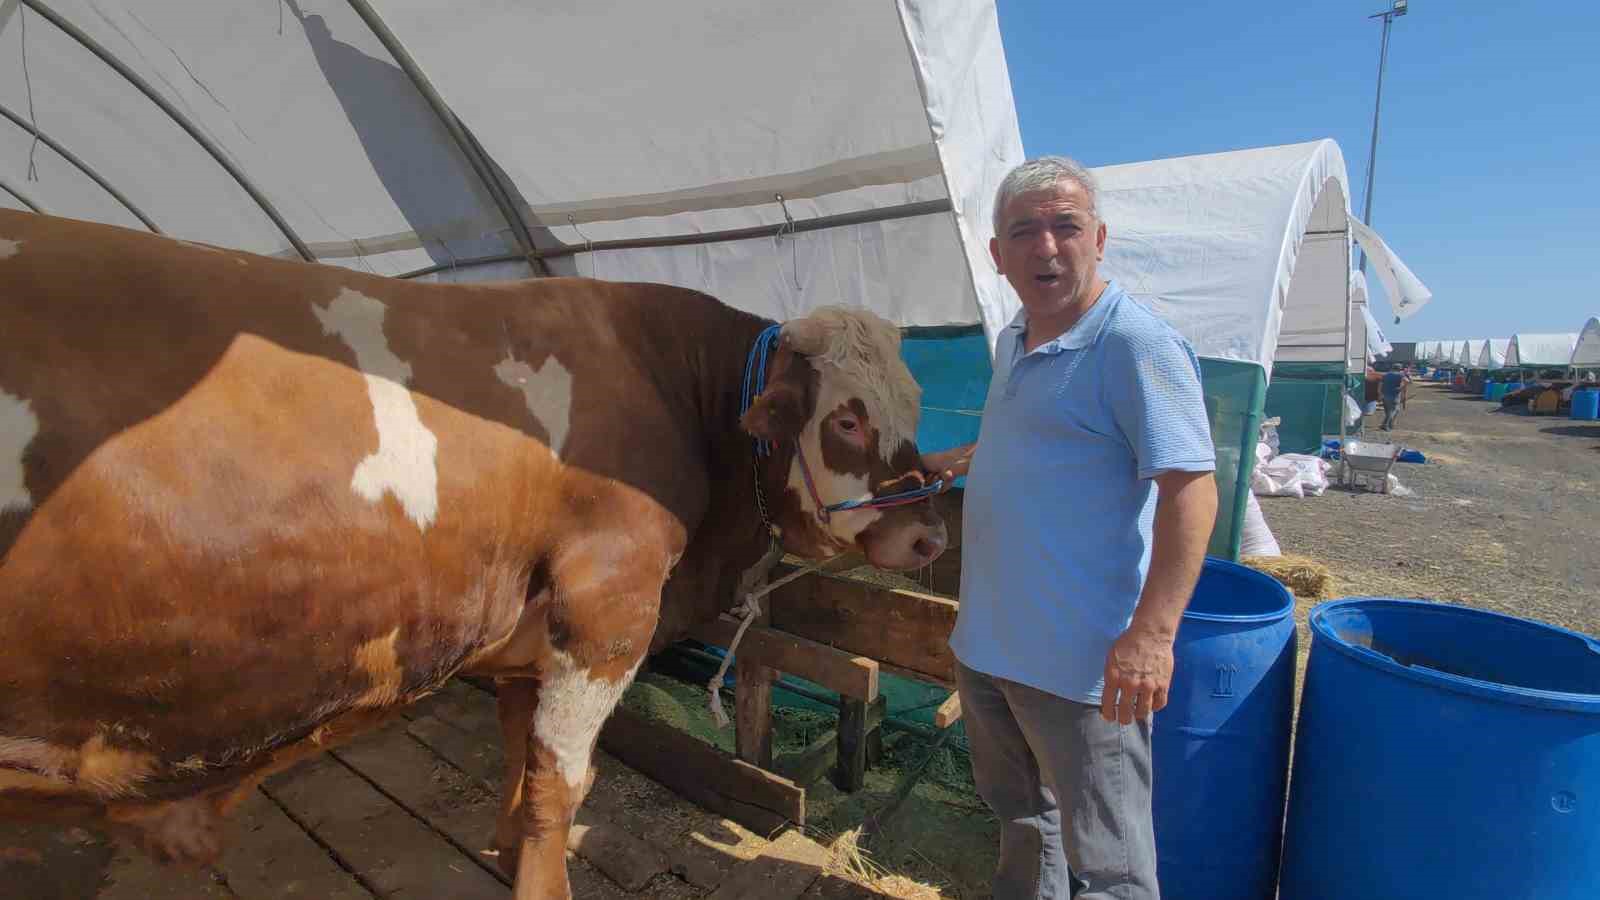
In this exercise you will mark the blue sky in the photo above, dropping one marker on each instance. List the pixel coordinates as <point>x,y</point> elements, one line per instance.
<point>1488,181</point>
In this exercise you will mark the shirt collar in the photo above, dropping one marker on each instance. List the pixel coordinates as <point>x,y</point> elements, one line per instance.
<point>1082,333</point>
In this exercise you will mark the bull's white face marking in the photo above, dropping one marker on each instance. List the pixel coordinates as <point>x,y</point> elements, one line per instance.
<point>548,392</point>
<point>832,487</point>
<point>572,707</point>
<point>18,426</point>
<point>9,248</point>
<point>405,463</point>
<point>863,350</point>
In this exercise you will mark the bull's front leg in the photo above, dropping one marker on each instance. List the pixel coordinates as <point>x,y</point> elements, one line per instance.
<point>601,618</point>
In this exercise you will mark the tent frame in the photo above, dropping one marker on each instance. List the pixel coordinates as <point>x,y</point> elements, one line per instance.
<point>81,166</point>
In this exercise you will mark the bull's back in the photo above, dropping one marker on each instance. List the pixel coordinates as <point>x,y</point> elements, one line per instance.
<point>238,507</point>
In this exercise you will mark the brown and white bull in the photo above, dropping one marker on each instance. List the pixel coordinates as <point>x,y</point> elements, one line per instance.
<point>251,508</point>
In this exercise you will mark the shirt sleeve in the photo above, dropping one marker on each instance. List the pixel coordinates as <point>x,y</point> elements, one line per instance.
<point>1153,386</point>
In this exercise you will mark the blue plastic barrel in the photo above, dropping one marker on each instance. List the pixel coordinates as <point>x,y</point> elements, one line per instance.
<point>1488,390</point>
<point>1586,405</point>
<point>1221,746</point>
<point>1444,752</point>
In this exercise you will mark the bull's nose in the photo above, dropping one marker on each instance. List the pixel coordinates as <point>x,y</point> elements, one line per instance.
<point>929,547</point>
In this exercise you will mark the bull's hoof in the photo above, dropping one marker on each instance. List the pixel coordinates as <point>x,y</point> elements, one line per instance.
<point>183,832</point>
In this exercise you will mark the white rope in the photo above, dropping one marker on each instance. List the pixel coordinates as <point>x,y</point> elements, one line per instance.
<point>751,608</point>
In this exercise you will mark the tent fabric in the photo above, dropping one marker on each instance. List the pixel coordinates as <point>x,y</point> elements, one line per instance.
<point>599,122</point>
<point>1541,349</point>
<point>1366,336</point>
<point>1407,294</point>
<point>1586,353</point>
<point>1467,351</point>
<point>1213,243</point>
<point>1493,353</point>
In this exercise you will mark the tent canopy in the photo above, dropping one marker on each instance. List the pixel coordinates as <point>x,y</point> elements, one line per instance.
<point>1493,353</point>
<point>1586,353</point>
<point>1541,349</point>
<point>1246,253</point>
<point>1467,351</point>
<point>778,156</point>
<point>1231,248</point>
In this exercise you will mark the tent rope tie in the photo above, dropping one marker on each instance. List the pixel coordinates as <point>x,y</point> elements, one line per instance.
<point>27,80</point>
<point>794,246</point>
<point>588,245</point>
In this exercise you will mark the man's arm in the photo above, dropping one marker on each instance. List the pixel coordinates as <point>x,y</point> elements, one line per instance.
<point>1139,667</point>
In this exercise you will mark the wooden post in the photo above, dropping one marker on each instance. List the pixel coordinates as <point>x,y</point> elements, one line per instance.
<point>752,700</point>
<point>850,774</point>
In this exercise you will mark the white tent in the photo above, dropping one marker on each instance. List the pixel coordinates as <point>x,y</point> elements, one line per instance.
<point>1366,336</point>
<point>1425,350</point>
<point>1493,354</point>
<point>779,156</point>
<point>1541,350</point>
<point>1467,351</point>
<point>1586,353</point>
<point>1245,252</point>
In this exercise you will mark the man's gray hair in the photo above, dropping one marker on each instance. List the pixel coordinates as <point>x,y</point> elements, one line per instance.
<point>1042,174</point>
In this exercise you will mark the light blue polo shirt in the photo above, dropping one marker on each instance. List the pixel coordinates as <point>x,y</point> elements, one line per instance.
<point>1059,504</point>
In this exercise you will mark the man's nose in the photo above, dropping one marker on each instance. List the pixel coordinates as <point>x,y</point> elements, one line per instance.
<point>1045,245</point>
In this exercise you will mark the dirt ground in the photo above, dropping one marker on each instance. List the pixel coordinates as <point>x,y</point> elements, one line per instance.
<point>1503,517</point>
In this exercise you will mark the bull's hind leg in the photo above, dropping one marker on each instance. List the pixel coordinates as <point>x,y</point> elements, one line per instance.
<point>601,614</point>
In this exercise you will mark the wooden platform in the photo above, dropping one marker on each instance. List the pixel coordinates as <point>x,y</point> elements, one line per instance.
<point>407,812</point>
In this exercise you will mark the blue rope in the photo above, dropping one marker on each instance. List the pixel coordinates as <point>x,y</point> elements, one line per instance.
<point>755,376</point>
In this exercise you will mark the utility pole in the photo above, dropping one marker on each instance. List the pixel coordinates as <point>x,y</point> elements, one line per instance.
<point>1388,16</point>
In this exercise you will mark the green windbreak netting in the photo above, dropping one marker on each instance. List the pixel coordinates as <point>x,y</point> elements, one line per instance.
<point>1305,396</point>
<point>953,367</point>
<point>1234,395</point>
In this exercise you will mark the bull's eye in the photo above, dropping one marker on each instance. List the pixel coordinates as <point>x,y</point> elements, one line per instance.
<point>849,428</point>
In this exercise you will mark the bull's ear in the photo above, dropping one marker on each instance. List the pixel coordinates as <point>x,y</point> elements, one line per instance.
<point>778,414</point>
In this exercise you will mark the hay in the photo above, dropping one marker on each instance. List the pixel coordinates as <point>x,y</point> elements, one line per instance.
<point>1303,575</point>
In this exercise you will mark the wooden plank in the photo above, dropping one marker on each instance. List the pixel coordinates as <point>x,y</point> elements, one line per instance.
<point>464,729</point>
<point>376,839</point>
<point>783,871</point>
<point>845,673</point>
<point>755,798</point>
<point>948,713</point>
<point>752,703</point>
<point>270,857</point>
<point>812,763</point>
<point>905,629</point>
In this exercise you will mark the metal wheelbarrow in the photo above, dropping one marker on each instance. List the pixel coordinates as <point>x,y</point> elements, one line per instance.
<point>1366,461</point>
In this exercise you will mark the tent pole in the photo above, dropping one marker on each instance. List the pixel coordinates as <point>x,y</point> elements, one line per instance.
<point>82,166</point>
<point>24,198</point>
<point>133,78</point>
<point>470,148</point>
<point>1344,387</point>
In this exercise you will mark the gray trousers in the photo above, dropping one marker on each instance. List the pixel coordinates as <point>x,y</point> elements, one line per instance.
<point>1072,792</point>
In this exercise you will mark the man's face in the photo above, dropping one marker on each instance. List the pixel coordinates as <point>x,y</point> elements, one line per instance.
<point>1049,247</point>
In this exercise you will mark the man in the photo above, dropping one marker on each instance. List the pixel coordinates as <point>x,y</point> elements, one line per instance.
<point>1395,390</point>
<point>1074,574</point>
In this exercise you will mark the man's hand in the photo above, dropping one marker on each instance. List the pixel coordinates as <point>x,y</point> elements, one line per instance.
<point>949,464</point>
<point>1138,674</point>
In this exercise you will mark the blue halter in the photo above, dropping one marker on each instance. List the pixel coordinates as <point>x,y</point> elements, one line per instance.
<point>755,381</point>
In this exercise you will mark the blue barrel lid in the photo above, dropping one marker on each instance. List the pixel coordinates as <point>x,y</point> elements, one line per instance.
<point>1255,596</point>
<point>1344,626</point>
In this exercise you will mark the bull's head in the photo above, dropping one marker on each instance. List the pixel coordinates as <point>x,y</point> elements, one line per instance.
<point>842,407</point>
